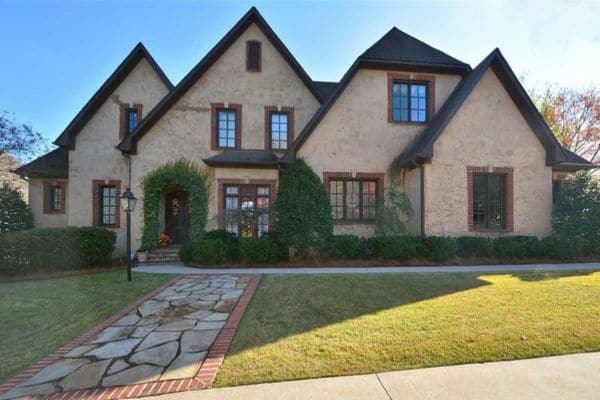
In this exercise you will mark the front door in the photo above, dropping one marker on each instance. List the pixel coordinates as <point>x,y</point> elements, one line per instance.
<point>177,221</point>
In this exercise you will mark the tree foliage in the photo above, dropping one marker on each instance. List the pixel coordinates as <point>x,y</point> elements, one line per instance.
<point>576,212</point>
<point>15,214</point>
<point>574,117</point>
<point>19,140</point>
<point>180,174</point>
<point>303,219</point>
<point>393,213</point>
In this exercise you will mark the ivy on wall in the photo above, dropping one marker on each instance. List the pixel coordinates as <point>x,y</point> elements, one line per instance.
<point>180,174</point>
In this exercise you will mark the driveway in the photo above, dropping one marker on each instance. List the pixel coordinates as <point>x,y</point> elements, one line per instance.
<point>563,377</point>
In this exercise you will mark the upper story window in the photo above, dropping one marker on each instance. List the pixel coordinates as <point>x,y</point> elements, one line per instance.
<point>130,118</point>
<point>489,201</point>
<point>253,56</point>
<point>279,130</point>
<point>409,102</point>
<point>227,128</point>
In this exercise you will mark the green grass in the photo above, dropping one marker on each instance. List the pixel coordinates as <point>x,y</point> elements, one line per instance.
<point>38,317</point>
<point>313,326</point>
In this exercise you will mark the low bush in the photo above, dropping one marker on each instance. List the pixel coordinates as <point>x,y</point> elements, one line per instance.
<point>55,249</point>
<point>346,247</point>
<point>393,247</point>
<point>517,247</point>
<point>283,252</point>
<point>438,248</point>
<point>474,246</point>
<point>205,252</point>
<point>15,214</point>
<point>559,247</point>
<point>232,242</point>
<point>259,250</point>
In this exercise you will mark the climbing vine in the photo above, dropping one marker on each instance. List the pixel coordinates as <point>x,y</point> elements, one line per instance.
<point>180,174</point>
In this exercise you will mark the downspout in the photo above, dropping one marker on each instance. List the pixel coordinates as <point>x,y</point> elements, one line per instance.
<point>422,205</point>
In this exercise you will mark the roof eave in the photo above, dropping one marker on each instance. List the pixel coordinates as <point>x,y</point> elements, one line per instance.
<point>374,63</point>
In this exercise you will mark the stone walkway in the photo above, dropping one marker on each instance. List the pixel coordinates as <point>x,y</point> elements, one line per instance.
<point>166,337</point>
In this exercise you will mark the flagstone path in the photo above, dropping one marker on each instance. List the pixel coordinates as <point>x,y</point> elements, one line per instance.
<point>166,337</point>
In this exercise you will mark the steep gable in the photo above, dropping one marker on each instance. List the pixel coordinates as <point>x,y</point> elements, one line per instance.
<point>139,52</point>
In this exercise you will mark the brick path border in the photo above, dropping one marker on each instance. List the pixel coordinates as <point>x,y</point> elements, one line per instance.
<point>203,379</point>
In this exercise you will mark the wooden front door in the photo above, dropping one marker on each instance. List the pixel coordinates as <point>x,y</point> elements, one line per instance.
<point>177,217</point>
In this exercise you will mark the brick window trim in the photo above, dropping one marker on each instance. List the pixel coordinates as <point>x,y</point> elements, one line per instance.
<point>274,109</point>
<point>214,125</point>
<point>374,176</point>
<point>221,183</point>
<point>508,172</point>
<point>96,184</point>
<point>427,79</point>
<point>248,44</point>
<point>63,186</point>
<point>124,108</point>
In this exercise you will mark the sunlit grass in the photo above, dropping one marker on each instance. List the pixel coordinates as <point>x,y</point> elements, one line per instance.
<point>38,317</point>
<point>312,326</point>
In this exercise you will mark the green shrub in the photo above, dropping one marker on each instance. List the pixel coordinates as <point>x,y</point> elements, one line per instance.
<point>230,239</point>
<point>55,249</point>
<point>205,252</point>
<point>282,248</point>
<point>474,246</point>
<point>15,214</point>
<point>438,248</point>
<point>576,211</point>
<point>517,247</point>
<point>302,211</point>
<point>347,247</point>
<point>560,248</point>
<point>393,247</point>
<point>392,213</point>
<point>259,251</point>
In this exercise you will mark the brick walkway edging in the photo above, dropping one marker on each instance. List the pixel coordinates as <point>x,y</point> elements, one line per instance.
<point>203,379</point>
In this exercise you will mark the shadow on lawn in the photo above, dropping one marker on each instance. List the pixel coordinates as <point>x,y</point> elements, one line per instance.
<point>536,276</point>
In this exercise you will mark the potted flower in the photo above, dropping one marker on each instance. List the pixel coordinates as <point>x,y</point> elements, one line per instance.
<point>164,240</point>
<point>142,254</point>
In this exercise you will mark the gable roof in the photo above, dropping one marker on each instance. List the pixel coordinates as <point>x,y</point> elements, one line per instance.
<point>391,52</point>
<point>54,164</point>
<point>252,16</point>
<point>422,148</point>
<point>67,137</point>
<point>326,89</point>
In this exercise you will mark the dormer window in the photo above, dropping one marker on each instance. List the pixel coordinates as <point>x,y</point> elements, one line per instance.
<point>253,56</point>
<point>409,102</point>
<point>130,118</point>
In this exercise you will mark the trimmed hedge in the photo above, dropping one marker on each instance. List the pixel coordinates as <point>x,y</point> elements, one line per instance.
<point>232,242</point>
<point>393,247</point>
<point>347,247</point>
<point>55,249</point>
<point>438,248</point>
<point>474,246</point>
<point>205,252</point>
<point>561,248</point>
<point>517,247</point>
<point>259,250</point>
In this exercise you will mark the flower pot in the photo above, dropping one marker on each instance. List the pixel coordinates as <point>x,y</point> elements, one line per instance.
<point>142,256</point>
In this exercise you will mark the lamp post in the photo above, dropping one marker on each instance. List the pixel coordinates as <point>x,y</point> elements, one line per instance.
<point>128,201</point>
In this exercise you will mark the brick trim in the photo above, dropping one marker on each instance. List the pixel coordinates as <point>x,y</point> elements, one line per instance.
<point>428,79</point>
<point>214,134</point>
<point>96,184</point>
<point>508,172</point>
<point>221,183</point>
<point>248,68</point>
<point>46,207</point>
<point>203,379</point>
<point>290,137</point>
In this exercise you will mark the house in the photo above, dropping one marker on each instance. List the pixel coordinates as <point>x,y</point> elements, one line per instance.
<point>466,144</point>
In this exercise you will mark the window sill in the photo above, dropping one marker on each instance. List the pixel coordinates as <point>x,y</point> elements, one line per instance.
<point>487,230</point>
<point>408,122</point>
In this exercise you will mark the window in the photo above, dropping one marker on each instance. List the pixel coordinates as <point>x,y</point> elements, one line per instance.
<point>353,199</point>
<point>226,128</point>
<point>108,205</point>
<point>409,101</point>
<point>279,130</point>
<point>489,201</point>
<point>132,119</point>
<point>56,198</point>
<point>253,58</point>
<point>246,209</point>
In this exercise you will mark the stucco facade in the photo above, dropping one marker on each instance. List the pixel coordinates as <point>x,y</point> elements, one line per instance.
<point>42,218</point>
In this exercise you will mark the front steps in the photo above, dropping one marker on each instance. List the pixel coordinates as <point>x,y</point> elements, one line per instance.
<point>164,255</point>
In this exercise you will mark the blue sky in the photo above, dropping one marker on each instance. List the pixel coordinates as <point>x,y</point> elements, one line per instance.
<point>55,55</point>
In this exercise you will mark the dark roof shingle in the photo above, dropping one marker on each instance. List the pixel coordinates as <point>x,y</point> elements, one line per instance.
<point>54,164</point>
<point>244,158</point>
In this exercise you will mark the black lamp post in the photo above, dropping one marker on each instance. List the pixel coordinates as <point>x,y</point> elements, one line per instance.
<point>128,201</point>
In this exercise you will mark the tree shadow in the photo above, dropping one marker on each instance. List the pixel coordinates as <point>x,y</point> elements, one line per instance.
<point>536,276</point>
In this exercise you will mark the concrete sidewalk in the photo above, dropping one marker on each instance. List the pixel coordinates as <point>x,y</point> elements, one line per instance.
<point>179,268</point>
<point>575,376</point>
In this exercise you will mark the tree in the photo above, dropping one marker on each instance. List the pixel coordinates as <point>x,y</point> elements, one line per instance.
<point>17,139</point>
<point>303,219</point>
<point>393,213</point>
<point>574,117</point>
<point>15,214</point>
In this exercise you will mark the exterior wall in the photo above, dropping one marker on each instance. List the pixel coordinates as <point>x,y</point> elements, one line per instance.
<point>36,203</point>
<point>8,164</point>
<point>488,131</point>
<point>355,135</point>
<point>95,156</point>
<point>185,130</point>
<point>411,181</point>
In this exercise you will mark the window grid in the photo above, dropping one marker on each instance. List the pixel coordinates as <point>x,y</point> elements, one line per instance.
<point>245,202</point>
<point>489,201</point>
<point>353,199</point>
<point>132,119</point>
<point>226,128</point>
<point>409,101</point>
<point>56,198</point>
<point>279,130</point>
<point>108,205</point>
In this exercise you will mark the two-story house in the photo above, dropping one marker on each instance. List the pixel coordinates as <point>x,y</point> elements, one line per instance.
<point>466,144</point>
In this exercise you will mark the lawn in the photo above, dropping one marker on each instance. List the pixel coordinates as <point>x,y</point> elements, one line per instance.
<point>313,326</point>
<point>38,317</point>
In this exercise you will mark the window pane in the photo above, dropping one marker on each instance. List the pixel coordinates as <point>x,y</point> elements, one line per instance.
<point>489,201</point>
<point>279,131</point>
<point>226,128</point>
<point>231,190</point>
<point>132,119</point>
<point>262,191</point>
<point>352,200</point>
<point>336,198</point>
